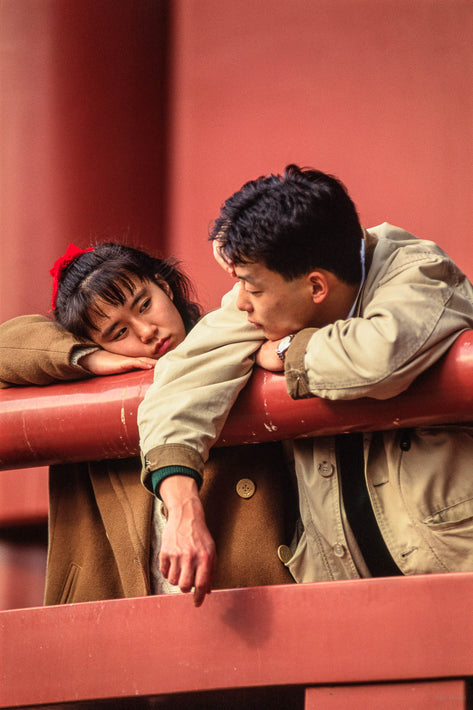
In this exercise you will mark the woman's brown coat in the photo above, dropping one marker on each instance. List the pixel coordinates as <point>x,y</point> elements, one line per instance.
<point>100,514</point>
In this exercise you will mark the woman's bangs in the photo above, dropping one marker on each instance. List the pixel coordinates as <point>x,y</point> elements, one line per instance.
<point>114,288</point>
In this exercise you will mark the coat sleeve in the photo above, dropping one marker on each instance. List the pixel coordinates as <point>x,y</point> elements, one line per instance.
<point>415,304</point>
<point>37,351</point>
<point>195,386</point>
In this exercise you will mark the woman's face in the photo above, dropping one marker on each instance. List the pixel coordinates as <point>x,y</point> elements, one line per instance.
<point>147,324</point>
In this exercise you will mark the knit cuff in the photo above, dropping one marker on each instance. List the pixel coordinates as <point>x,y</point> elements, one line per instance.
<point>158,476</point>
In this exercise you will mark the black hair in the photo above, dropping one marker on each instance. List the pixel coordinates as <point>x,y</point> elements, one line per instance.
<point>293,223</point>
<point>106,274</point>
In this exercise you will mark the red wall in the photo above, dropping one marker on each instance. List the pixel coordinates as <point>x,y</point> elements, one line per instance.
<point>378,92</point>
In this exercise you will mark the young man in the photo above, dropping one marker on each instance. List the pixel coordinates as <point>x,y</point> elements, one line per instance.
<point>347,313</point>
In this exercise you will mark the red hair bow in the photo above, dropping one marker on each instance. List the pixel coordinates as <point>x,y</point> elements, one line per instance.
<point>72,252</point>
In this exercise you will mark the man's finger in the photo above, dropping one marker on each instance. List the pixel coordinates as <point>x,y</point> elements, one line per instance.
<point>174,572</point>
<point>203,579</point>
<point>199,596</point>
<point>187,576</point>
<point>164,565</point>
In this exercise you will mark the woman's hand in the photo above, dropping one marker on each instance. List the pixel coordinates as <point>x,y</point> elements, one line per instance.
<point>187,556</point>
<point>102,362</point>
<point>267,357</point>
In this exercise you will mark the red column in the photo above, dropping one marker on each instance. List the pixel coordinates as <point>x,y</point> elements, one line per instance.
<point>82,134</point>
<point>82,158</point>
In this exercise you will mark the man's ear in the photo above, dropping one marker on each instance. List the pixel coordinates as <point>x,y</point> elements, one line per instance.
<point>319,283</point>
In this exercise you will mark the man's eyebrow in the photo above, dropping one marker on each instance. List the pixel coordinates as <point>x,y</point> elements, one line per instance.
<point>249,279</point>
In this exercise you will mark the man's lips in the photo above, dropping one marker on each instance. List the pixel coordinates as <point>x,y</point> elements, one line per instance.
<point>162,346</point>
<point>257,325</point>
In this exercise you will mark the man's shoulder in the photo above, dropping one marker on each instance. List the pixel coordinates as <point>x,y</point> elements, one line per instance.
<point>398,252</point>
<point>387,232</point>
<point>391,239</point>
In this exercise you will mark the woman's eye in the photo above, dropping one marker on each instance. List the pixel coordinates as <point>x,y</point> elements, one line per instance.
<point>119,334</point>
<point>145,304</point>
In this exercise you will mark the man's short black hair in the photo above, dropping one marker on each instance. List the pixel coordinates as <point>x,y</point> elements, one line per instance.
<point>293,223</point>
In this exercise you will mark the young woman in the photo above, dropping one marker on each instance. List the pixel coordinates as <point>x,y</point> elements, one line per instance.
<point>116,309</point>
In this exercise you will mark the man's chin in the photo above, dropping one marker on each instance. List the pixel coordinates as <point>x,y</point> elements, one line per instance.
<point>271,336</point>
<point>276,337</point>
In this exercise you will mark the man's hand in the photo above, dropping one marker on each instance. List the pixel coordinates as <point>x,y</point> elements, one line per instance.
<point>102,362</point>
<point>267,357</point>
<point>187,556</point>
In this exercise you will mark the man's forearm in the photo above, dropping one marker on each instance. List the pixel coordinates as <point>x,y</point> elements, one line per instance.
<point>195,387</point>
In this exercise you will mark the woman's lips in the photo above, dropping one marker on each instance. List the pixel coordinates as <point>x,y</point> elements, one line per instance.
<point>162,346</point>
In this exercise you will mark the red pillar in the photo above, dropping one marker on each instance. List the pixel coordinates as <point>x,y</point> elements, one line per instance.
<point>82,134</point>
<point>82,158</point>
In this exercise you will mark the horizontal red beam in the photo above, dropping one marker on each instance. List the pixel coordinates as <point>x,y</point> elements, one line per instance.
<point>358,631</point>
<point>441,694</point>
<point>96,419</point>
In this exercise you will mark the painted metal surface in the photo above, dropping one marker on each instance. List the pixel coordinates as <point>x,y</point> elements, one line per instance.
<point>96,419</point>
<point>357,631</point>
<point>89,420</point>
<point>444,695</point>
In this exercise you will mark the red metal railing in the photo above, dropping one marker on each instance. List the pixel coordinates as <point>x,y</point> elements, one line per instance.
<point>96,419</point>
<point>412,635</point>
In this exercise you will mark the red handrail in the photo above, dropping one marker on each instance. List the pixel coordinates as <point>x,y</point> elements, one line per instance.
<point>96,419</point>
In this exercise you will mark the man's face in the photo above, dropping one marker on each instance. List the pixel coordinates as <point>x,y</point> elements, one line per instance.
<point>277,306</point>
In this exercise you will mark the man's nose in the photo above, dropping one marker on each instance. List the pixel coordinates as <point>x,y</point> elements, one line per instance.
<point>243,303</point>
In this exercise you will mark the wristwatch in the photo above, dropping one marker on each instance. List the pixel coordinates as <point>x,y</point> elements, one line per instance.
<point>283,346</point>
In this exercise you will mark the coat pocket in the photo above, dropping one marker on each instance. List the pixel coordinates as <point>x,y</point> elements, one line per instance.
<point>451,534</point>
<point>451,516</point>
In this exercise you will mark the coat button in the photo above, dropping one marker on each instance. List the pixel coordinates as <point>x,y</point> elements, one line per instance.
<point>284,553</point>
<point>245,488</point>
<point>325,468</point>
<point>338,550</point>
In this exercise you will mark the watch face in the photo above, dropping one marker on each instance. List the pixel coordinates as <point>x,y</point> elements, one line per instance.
<point>284,344</point>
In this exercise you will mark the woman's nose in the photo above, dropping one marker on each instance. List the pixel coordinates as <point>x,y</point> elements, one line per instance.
<point>145,331</point>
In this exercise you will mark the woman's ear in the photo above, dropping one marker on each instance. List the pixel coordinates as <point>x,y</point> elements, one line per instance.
<point>319,283</point>
<point>164,286</point>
